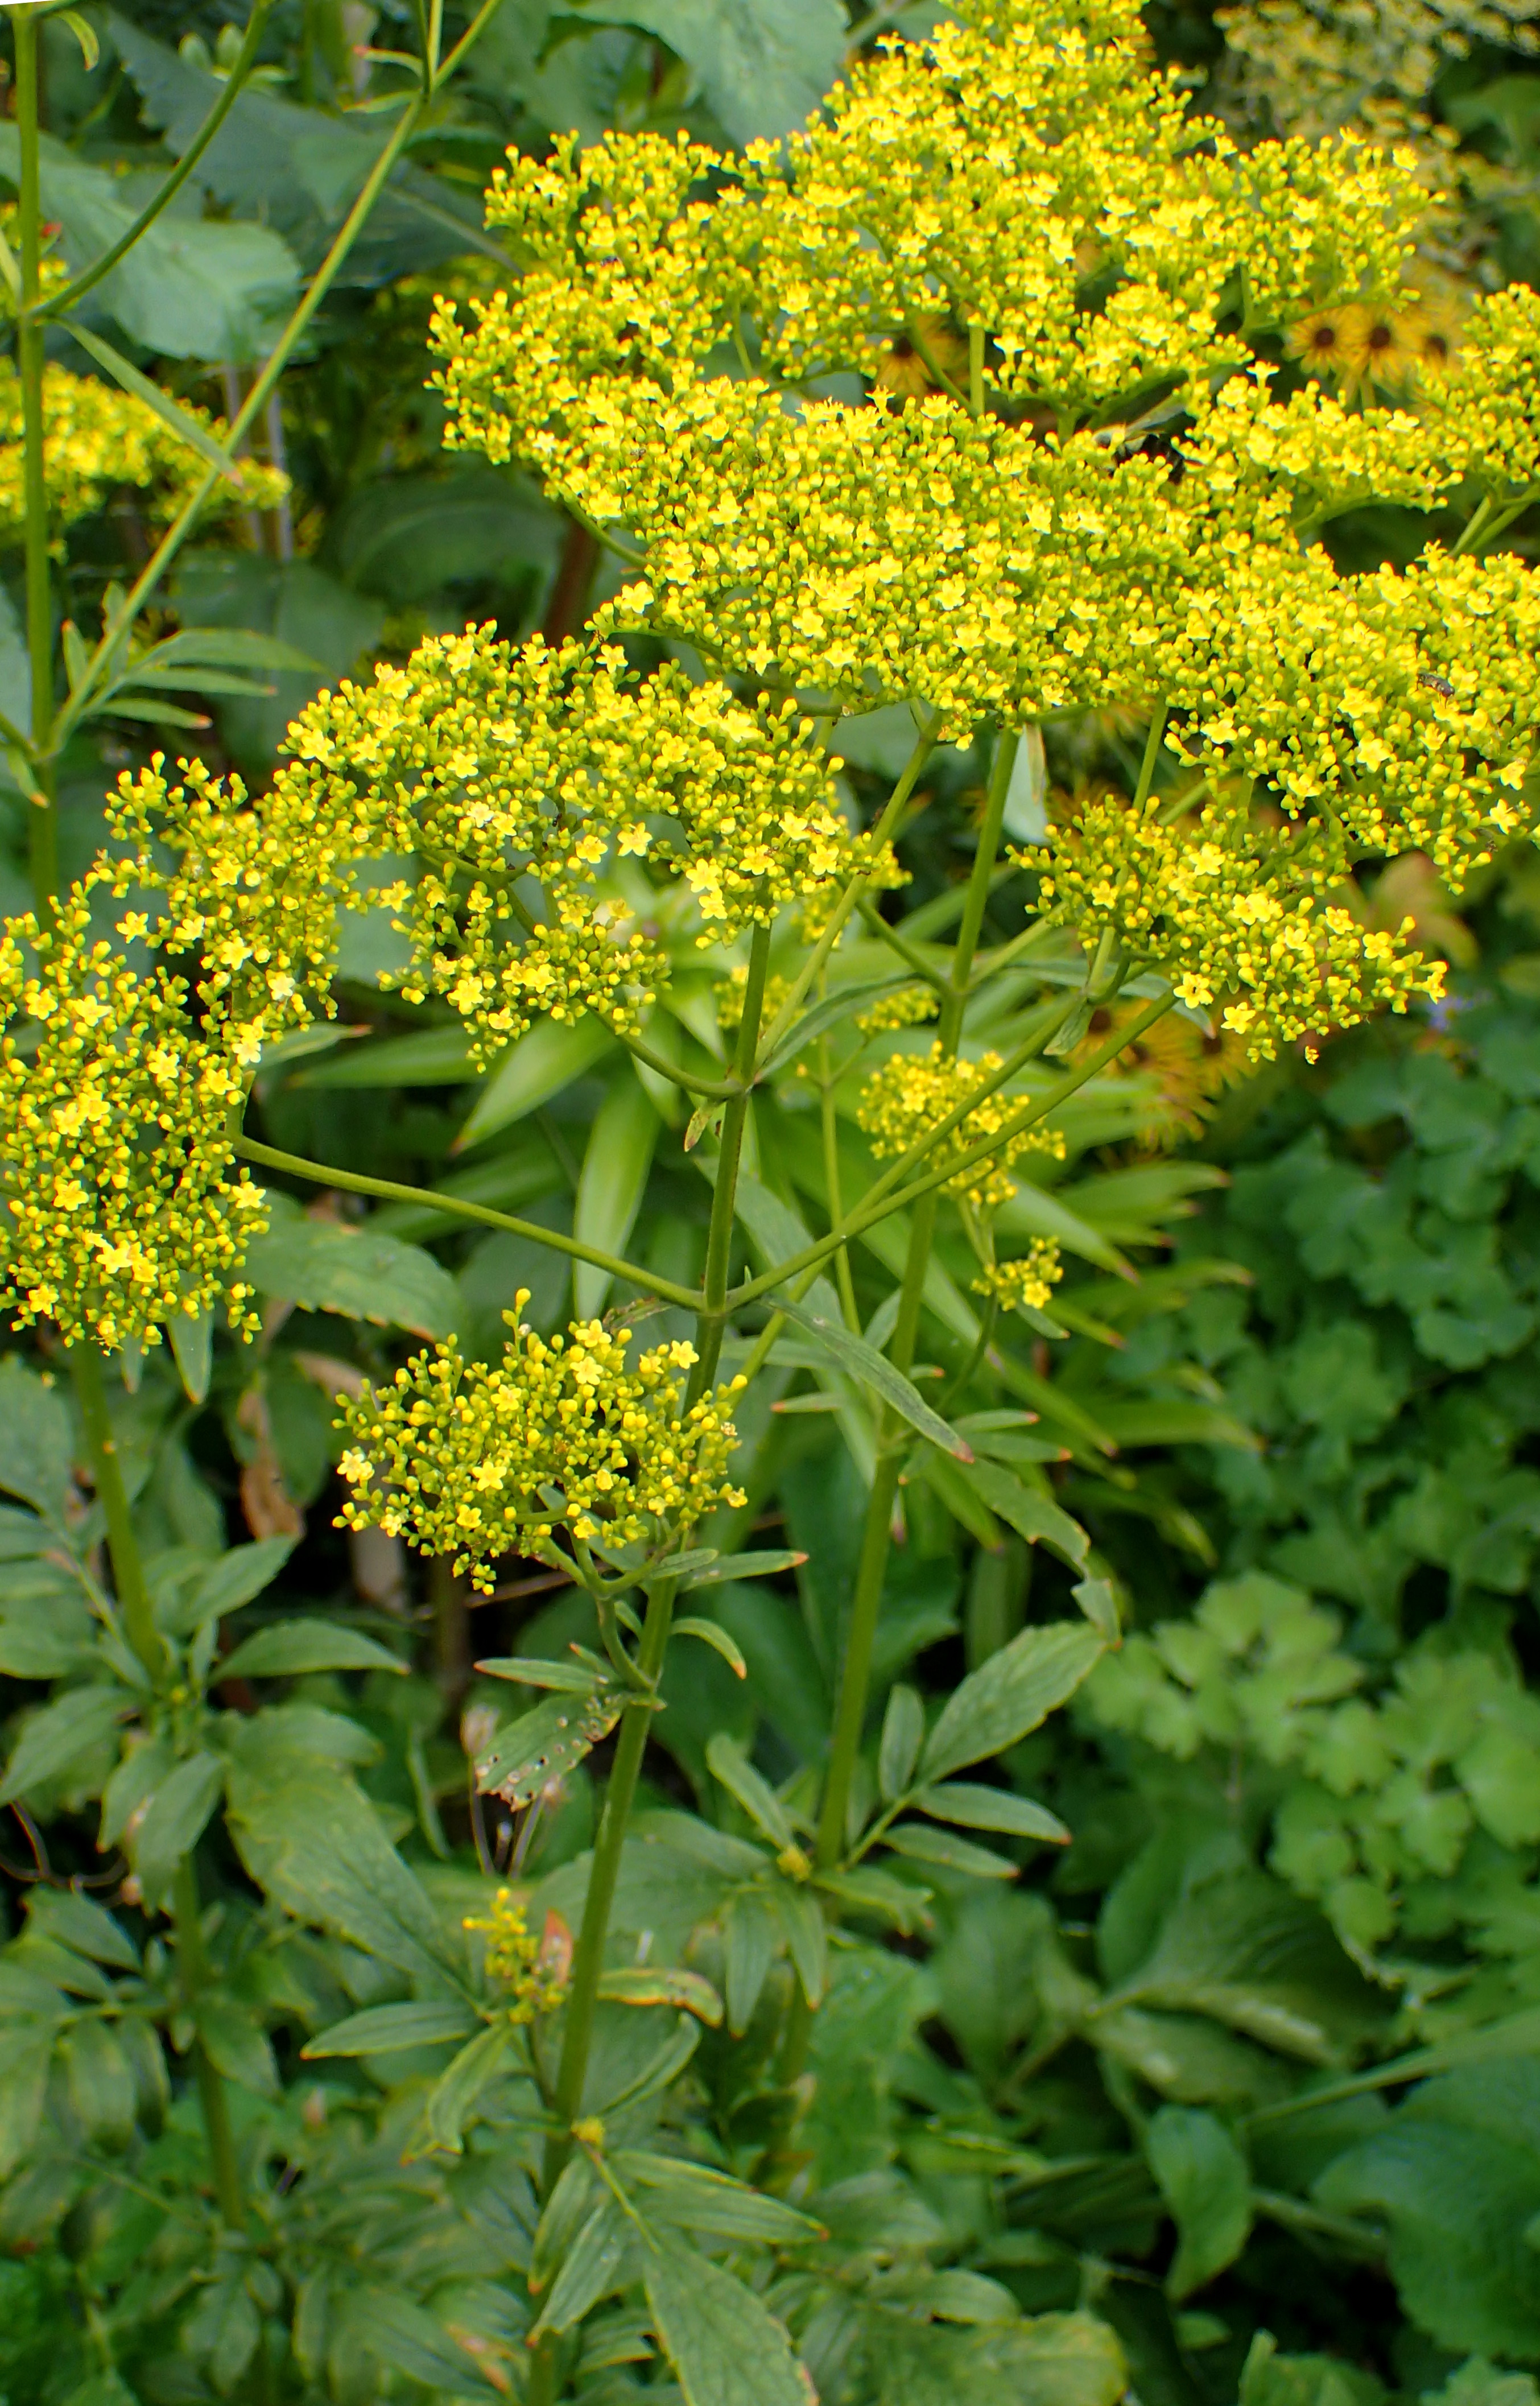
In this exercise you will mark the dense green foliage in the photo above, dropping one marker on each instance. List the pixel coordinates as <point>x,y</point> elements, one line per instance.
<point>1184,2045</point>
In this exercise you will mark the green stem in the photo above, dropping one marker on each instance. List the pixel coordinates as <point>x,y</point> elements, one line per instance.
<point>893,1436</point>
<point>43,833</point>
<point>881,1200</point>
<point>256,399</point>
<point>211,2089</point>
<point>711,1319</point>
<point>122,1540</point>
<point>881,833</point>
<point>91,276</point>
<point>389,1190</point>
<point>844,1278</point>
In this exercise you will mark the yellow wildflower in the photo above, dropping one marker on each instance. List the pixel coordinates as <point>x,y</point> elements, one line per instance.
<point>911,1094</point>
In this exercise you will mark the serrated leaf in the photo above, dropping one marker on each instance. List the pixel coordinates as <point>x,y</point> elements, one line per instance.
<point>726,2349</point>
<point>921,1844</point>
<point>384,2029</point>
<point>861,1361</point>
<point>289,1650</point>
<point>1009,1695</point>
<point>355,1272</point>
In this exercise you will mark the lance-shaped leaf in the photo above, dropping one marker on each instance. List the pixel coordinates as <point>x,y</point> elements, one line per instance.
<point>460,2088</point>
<point>290,1649</point>
<point>534,1671</point>
<point>636,1984</point>
<point>852,1354</point>
<point>1205,2181</point>
<point>186,428</point>
<point>727,2348</point>
<point>588,2269</point>
<point>745,1566</point>
<point>923,1844</point>
<point>1009,1695</point>
<point>727,1763</point>
<point>532,1070</point>
<point>1030,1513</point>
<point>613,1179</point>
<point>546,1744</point>
<point>384,2029</point>
<point>178,1816</point>
<point>693,2196</point>
<point>64,1735</point>
<point>970,1807</point>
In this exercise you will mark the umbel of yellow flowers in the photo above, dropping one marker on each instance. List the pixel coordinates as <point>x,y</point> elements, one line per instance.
<point>864,410</point>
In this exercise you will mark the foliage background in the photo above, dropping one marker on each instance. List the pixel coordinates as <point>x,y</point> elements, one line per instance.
<point>1296,1402</point>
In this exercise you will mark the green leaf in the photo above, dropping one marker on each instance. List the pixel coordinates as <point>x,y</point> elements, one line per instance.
<point>992,1808</point>
<point>862,1361</point>
<point>726,2349</point>
<point>322,1268</point>
<point>1205,2181</point>
<point>712,1633</point>
<point>35,1460</point>
<point>405,2338</point>
<point>549,1057</point>
<point>237,2045</point>
<point>29,2050</point>
<point>178,1816</point>
<point>534,1671</point>
<point>186,428</point>
<point>898,1750</point>
<point>1030,1514</point>
<point>78,1922</point>
<point>310,1839</point>
<point>191,288</point>
<point>1009,1695</point>
<point>100,2080</point>
<point>192,1349</point>
<point>693,2196</point>
<point>764,64</point>
<point>750,1930</point>
<point>806,1932</point>
<point>433,1056</point>
<point>384,2029</point>
<point>460,2088</point>
<point>589,2268</point>
<point>288,1648</point>
<point>631,1983</point>
<point>615,1164</point>
<point>745,1566</point>
<point>921,1843</point>
<point>237,1577</point>
<point>546,1744</point>
<point>65,1733</point>
<point>728,1763</point>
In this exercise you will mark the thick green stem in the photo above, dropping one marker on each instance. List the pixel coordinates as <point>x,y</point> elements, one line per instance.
<point>830,1122</point>
<point>43,834</point>
<point>893,1438</point>
<point>589,1955</point>
<point>211,2090</point>
<point>128,1572</point>
<point>712,1318</point>
<point>455,1207</point>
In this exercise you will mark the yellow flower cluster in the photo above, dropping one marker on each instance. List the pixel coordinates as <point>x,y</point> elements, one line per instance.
<point>475,1461</point>
<point>1484,409</point>
<point>911,1094</point>
<point>908,1006</point>
<point>1028,1281</point>
<point>1231,911</point>
<point>119,1206</point>
<point>97,439</point>
<point>513,773</point>
<point>515,1960</point>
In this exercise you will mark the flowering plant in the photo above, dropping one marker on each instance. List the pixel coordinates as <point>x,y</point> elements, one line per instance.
<point>921,440</point>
